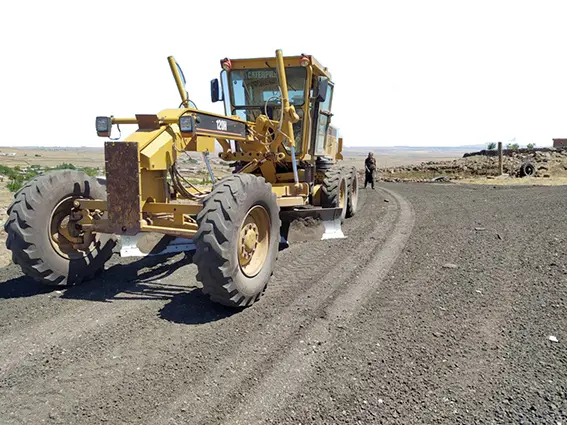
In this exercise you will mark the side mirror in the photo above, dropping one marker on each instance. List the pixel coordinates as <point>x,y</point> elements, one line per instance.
<point>215,94</point>
<point>322,85</point>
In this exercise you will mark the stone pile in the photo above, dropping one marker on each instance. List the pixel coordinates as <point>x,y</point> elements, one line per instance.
<point>545,161</point>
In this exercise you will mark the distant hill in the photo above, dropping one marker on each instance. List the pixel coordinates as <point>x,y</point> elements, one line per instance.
<point>55,148</point>
<point>414,148</point>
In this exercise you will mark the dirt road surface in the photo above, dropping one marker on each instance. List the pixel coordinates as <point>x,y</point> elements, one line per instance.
<point>437,308</point>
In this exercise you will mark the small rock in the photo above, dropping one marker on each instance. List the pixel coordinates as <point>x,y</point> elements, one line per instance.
<point>547,176</point>
<point>450,266</point>
<point>553,338</point>
<point>437,334</point>
<point>480,229</point>
<point>386,200</point>
<point>499,237</point>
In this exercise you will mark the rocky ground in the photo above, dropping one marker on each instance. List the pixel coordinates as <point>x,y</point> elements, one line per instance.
<point>547,163</point>
<point>444,304</point>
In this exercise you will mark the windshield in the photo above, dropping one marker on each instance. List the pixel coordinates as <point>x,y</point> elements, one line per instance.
<point>251,89</point>
<point>255,87</point>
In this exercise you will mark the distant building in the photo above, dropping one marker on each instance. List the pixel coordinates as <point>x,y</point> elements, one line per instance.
<point>560,143</point>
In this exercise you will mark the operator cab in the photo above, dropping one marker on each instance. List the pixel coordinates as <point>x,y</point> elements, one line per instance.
<point>250,87</point>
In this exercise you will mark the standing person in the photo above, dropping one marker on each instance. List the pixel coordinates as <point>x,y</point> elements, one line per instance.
<point>370,165</point>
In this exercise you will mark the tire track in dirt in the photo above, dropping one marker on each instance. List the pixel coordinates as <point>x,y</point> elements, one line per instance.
<point>291,372</point>
<point>134,364</point>
<point>240,373</point>
<point>207,348</point>
<point>88,346</point>
<point>76,324</point>
<point>452,345</point>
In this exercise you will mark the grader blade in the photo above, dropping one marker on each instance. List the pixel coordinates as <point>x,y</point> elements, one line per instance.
<point>332,227</point>
<point>148,244</point>
<point>312,224</point>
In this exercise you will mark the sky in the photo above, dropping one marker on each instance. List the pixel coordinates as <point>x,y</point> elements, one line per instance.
<point>411,73</point>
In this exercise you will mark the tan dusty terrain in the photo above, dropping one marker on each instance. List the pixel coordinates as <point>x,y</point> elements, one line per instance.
<point>395,157</point>
<point>51,157</point>
<point>5,199</point>
<point>526,181</point>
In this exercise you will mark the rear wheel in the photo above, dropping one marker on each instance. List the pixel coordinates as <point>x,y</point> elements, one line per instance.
<point>334,190</point>
<point>238,239</point>
<point>352,202</point>
<point>42,235</point>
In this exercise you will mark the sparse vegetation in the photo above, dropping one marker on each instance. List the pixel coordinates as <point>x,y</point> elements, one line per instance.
<point>530,145</point>
<point>19,176</point>
<point>491,146</point>
<point>65,166</point>
<point>512,146</point>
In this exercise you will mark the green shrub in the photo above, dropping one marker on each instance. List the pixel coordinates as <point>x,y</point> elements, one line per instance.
<point>65,166</point>
<point>491,146</point>
<point>14,186</point>
<point>93,172</point>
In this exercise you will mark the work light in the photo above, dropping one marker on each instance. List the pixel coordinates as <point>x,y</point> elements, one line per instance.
<point>226,64</point>
<point>187,124</point>
<point>103,126</point>
<point>304,61</point>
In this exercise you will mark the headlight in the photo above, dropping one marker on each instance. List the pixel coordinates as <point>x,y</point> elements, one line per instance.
<point>103,126</point>
<point>187,124</point>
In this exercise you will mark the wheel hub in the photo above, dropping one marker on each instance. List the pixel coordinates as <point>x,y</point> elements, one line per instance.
<point>248,241</point>
<point>254,241</point>
<point>65,237</point>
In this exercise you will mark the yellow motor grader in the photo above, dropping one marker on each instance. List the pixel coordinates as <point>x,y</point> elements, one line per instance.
<point>276,133</point>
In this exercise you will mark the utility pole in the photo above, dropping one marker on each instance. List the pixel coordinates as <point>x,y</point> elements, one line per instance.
<point>500,165</point>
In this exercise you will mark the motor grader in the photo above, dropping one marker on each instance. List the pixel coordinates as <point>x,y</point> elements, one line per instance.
<point>276,133</point>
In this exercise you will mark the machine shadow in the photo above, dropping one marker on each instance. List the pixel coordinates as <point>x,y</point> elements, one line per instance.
<point>22,287</point>
<point>123,282</point>
<point>194,308</point>
<point>106,285</point>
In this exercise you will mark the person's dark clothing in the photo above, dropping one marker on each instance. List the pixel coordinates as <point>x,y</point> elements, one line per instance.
<point>370,164</point>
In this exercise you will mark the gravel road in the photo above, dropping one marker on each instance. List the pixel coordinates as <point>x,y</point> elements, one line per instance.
<point>437,308</point>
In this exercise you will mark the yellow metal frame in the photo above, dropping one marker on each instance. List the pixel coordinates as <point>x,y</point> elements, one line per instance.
<point>159,141</point>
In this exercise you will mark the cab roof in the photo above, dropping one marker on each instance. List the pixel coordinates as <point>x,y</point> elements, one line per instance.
<point>270,62</point>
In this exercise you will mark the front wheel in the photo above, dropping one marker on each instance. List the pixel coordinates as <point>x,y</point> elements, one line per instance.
<point>238,239</point>
<point>41,236</point>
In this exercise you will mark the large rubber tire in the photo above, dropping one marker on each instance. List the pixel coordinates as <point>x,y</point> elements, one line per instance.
<point>29,230</point>
<point>334,190</point>
<point>218,240</point>
<point>527,169</point>
<point>352,202</point>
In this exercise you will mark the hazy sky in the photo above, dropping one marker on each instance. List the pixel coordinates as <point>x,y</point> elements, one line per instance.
<point>406,72</point>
